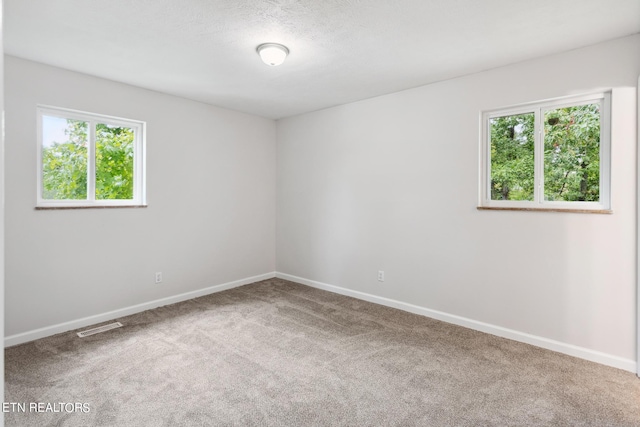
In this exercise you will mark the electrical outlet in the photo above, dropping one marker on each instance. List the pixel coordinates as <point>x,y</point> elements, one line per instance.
<point>158,277</point>
<point>380,276</point>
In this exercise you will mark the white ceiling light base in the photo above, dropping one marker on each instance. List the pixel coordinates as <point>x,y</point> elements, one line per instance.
<point>272,54</point>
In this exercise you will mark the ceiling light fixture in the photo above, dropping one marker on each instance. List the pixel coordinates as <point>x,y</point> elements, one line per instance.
<point>272,53</point>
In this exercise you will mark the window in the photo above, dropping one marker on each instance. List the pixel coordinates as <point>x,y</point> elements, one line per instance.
<point>89,160</point>
<point>548,155</point>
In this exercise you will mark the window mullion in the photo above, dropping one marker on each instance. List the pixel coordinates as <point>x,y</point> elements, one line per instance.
<point>136,168</point>
<point>486,160</point>
<point>91,169</point>
<point>538,157</point>
<point>138,165</point>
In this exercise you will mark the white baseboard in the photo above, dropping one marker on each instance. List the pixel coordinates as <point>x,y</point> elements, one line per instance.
<point>549,344</point>
<point>98,318</point>
<point>569,349</point>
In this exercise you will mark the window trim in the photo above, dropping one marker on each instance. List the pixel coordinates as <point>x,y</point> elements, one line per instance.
<point>139,163</point>
<point>538,109</point>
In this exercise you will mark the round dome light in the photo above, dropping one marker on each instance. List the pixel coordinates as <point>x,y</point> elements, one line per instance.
<point>272,54</point>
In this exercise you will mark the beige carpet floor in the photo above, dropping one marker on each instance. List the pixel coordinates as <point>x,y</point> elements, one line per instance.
<point>276,353</point>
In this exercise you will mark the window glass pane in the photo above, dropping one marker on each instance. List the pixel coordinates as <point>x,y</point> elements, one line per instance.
<point>572,153</point>
<point>114,162</point>
<point>64,159</point>
<point>512,161</point>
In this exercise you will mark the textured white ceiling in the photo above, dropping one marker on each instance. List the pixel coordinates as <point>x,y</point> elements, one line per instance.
<point>341,50</point>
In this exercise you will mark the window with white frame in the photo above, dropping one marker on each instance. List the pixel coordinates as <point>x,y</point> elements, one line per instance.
<point>548,155</point>
<point>89,160</point>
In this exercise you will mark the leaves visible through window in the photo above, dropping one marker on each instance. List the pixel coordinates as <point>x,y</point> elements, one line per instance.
<point>512,162</point>
<point>64,158</point>
<point>572,153</point>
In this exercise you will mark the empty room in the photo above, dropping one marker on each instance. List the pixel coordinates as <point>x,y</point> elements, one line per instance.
<point>322,213</point>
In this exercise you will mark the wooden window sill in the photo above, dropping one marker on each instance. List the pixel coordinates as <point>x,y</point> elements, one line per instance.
<point>55,208</point>
<point>587,211</point>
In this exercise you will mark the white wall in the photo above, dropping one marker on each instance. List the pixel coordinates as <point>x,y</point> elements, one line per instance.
<point>210,191</point>
<point>2,168</point>
<point>391,184</point>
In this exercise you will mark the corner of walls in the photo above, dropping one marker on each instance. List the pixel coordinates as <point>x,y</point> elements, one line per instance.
<point>2,169</point>
<point>638,235</point>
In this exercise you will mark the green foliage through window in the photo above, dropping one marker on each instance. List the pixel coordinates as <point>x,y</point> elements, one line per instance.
<point>512,162</point>
<point>114,162</point>
<point>64,163</point>
<point>572,154</point>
